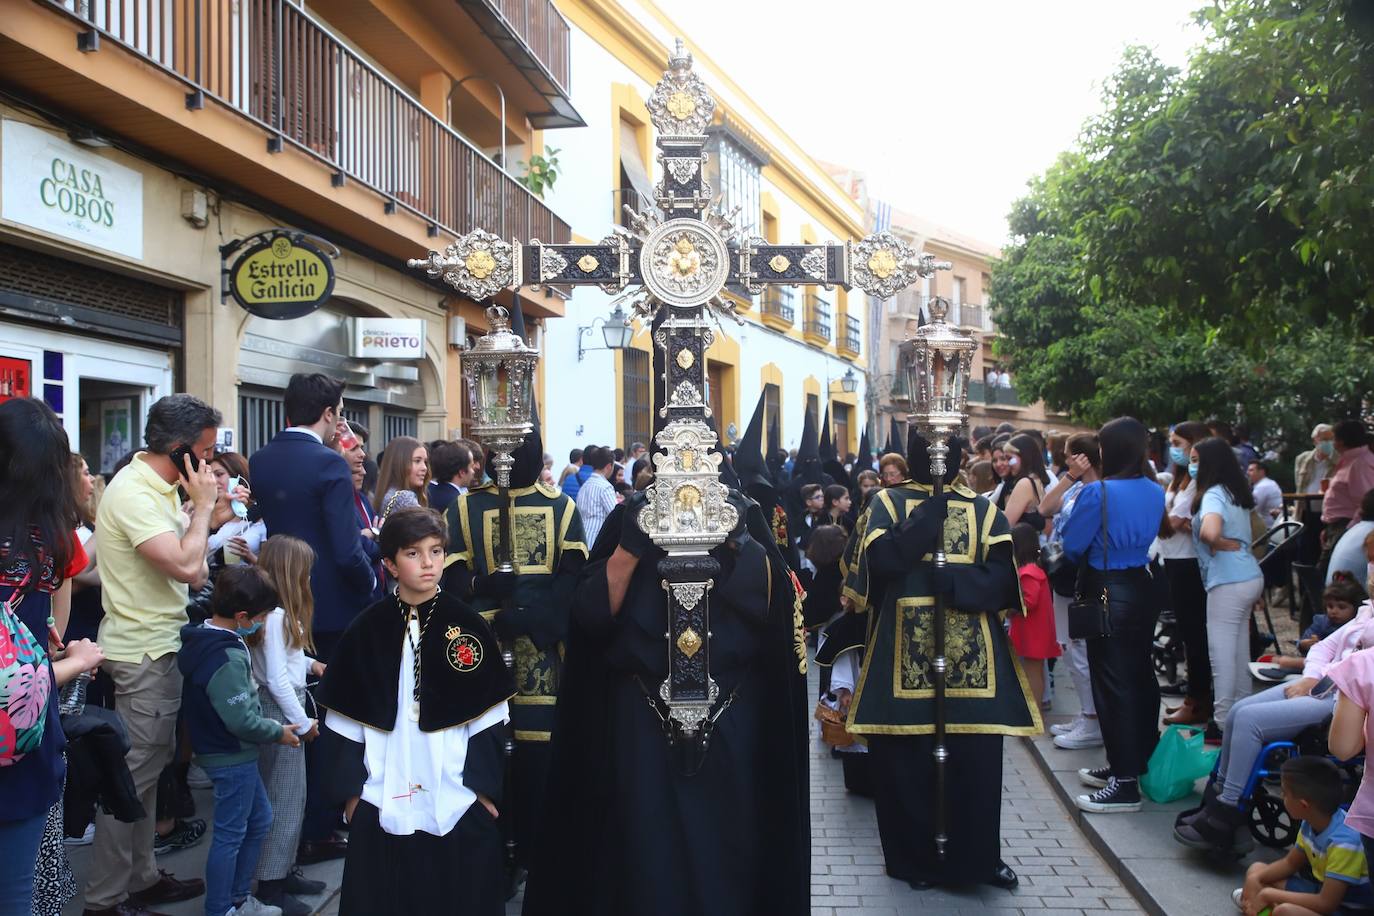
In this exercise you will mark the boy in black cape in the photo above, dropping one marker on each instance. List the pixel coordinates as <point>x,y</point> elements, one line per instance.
<point>629,832</point>
<point>417,696</point>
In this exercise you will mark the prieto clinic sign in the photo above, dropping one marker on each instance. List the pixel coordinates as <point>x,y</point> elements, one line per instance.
<point>389,338</point>
<point>51,184</point>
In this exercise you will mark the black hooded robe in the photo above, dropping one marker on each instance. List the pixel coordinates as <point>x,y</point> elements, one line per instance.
<point>893,707</point>
<point>628,833</point>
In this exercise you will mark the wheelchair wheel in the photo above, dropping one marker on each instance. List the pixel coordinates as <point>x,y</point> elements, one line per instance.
<point>1270,824</point>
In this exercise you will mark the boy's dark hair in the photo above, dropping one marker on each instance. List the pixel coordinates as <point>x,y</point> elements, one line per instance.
<point>809,490</point>
<point>410,526</point>
<point>574,456</point>
<point>309,396</point>
<point>618,455</point>
<point>827,544</point>
<point>242,588</point>
<point>1314,780</point>
<point>1025,543</point>
<point>361,431</point>
<point>1344,589</point>
<point>447,459</point>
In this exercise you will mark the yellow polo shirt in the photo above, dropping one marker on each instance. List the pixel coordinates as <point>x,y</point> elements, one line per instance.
<point>145,608</point>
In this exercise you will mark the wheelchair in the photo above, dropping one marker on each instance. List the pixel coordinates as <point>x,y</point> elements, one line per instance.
<point>1262,798</point>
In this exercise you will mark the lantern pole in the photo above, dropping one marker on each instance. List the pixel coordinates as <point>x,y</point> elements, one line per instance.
<point>499,370</point>
<point>940,358</point>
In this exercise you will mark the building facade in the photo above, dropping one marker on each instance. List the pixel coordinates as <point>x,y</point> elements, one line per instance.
<point>138,140</point>
<point>966,286</point>
<point>803,349</point>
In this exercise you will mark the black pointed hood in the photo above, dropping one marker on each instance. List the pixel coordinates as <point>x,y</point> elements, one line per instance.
<point>918,457</point>
<point>517,319</point>
<point>864,461</point>
<point>529,457</point>
<point>809,450</point>
<point>826,449</point>
<point>774,458</point>
<point>748,458</point>
<point>894,438</point>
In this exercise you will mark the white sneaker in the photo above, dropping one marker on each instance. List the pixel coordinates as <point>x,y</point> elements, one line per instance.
<point>252,906</point>
<point>85,839</point>
<point>1236,898</point>
<point>1087,734</point>
<point>1063,728</point>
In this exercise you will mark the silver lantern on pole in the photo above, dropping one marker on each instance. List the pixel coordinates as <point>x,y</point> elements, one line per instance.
<point>499,371</point>
<point>938,360</point>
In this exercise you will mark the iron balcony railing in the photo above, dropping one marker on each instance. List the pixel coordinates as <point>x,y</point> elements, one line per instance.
<point>778,303</point>
<point>273,63</point>
<point>851,334</point>
<point>984,393</point>
<point>544,30</point>
<point>817,316</point>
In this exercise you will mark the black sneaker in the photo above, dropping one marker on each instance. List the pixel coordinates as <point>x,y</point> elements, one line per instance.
<point>298,884</point>
<point>183,836</point>
<point>1095,778</point>
<point>1116,797</point>
<point>1212,736</point>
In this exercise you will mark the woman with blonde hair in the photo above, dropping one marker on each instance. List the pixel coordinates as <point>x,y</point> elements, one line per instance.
<point>403,479</point>
<point>280,666</point>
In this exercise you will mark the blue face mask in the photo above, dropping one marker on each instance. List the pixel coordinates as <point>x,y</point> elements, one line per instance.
<point>1192,471</point>
<point>249,630</point>
<point>1178,456</point>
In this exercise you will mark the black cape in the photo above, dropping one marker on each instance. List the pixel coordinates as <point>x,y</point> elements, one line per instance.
<point>361,679</point>
<point>626,832</point>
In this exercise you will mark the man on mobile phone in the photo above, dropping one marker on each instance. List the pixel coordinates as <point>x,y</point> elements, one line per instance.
<point>149,555</point>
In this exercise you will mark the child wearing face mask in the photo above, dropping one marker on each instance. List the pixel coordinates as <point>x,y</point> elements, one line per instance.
<point>220,703</point>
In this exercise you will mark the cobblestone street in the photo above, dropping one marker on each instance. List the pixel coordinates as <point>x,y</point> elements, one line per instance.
<point>1059,872</point>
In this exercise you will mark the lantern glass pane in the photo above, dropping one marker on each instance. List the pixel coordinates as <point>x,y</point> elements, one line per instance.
<point>489,394</point>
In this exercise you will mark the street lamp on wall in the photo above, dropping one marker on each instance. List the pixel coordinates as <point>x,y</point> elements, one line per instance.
<point>615,330</point>
<point>848,383</point>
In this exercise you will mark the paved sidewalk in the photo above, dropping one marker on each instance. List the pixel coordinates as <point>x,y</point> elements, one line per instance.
<point>1167,877</point>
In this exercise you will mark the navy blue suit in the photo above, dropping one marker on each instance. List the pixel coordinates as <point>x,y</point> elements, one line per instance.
<point>442,495</point>
<point>305,490</point>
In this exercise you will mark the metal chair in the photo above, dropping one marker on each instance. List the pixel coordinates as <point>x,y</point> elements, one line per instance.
<point>1280,546</point>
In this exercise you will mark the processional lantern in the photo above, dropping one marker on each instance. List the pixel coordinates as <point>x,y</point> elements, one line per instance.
<point>671,265</point>
<point>937,362</point>
<point>499,371</point>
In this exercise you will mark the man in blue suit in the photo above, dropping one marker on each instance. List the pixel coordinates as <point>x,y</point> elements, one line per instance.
<point>305,489</point>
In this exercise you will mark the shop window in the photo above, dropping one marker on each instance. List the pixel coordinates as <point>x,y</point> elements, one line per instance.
<point>397,423</point>
<point>261,416</point>
<point>636,413</point>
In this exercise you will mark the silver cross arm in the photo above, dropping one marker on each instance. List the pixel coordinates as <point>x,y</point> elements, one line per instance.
<point>480,264</point>
<point>879,264</point>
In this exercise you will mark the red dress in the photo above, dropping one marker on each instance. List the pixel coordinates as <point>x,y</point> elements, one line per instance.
<point>1032,635</point>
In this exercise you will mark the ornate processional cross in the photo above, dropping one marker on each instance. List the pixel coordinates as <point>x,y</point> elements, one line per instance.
<point>674,264</point>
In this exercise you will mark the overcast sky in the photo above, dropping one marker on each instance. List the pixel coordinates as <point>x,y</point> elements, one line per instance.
<point>953,104</point>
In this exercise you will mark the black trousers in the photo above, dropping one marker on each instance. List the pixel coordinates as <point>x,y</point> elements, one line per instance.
<point>1190,611</point>
<point>320,817</point>
<point>1122,672</point>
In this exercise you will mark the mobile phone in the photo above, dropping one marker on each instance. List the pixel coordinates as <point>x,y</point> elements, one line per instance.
<point>179,457</point>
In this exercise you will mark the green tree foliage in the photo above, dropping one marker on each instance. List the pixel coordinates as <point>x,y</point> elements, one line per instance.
<point>1207,249</point>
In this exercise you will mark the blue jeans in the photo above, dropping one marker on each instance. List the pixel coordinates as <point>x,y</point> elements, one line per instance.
<point>18,856</point>
<point>243,816</point>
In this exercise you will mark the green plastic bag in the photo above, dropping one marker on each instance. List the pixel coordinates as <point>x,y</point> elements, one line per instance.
<point>1179,760</point>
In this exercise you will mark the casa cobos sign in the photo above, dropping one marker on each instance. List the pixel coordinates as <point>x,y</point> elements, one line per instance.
<point>56,186</point>
<point>389,338</point>
<point>281,275</point>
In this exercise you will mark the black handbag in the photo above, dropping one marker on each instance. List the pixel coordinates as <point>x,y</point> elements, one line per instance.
<point>1090,617</point>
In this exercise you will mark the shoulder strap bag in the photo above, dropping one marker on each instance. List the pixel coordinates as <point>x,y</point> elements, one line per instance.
<point>1090,617</point>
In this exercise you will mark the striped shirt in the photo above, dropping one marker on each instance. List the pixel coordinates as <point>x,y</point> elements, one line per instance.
<point>595,500</point>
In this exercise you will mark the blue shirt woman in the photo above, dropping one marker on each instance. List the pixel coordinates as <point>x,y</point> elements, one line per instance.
<point>1134,507</point>
<point>1222,567</point>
